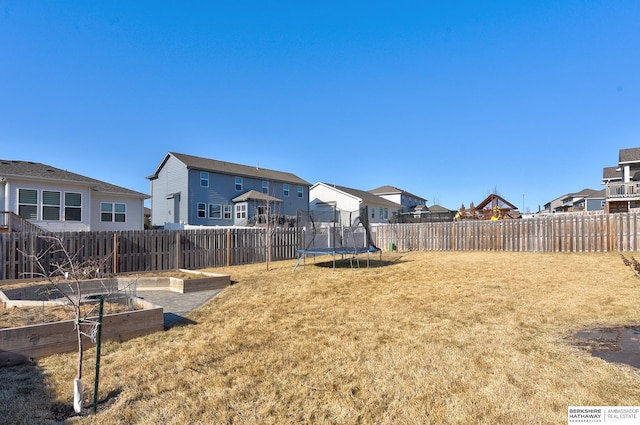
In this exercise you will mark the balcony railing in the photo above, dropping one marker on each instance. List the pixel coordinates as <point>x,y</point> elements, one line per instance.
<point>623,191</point>
<point>10,222</point>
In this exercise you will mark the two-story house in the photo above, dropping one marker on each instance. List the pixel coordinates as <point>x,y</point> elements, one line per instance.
<point>572,202</point>
<point>199,191</point>
<point>414,207</point>
<point>594,201</point>
<point>349,202</point>
<point>58,200</point>
<point>623,182</point>
<point>409,201</point>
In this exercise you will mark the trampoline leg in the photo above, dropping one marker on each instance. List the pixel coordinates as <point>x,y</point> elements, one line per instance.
<point>296,266</point>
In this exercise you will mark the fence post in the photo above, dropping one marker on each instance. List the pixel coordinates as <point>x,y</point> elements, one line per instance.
<point>177,245</point>
<point>228,247</point>
<point>115,253</point>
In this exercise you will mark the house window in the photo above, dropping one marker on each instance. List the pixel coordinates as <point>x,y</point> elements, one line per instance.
<point>120,213</point>
<point>204,179</point>
<point>50,205</point>
<point>285,189</point>
<point>265,186</point>
<point>227,212</point>
<point>300,192</point>
<point>215,211</point>
<point>239,184</point>
<point>381,212</point>
<point>202,210</point>
<point>72,206</point>
<point>386,213</point>
<point>106,212</point>
<point>373,213</point>
<point>28,204</point>
<point>241,211</point>
<point>113,212</point>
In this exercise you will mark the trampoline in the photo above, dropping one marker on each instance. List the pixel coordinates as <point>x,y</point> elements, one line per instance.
<point>339,247</point>
<point>342,251</point>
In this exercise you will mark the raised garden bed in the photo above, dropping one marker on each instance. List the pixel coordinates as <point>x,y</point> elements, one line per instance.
<point>43,339</point>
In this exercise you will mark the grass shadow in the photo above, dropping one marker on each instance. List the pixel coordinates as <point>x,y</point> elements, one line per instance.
<point>172,320</point>
<point>360,262</point>
<point>24,396</point>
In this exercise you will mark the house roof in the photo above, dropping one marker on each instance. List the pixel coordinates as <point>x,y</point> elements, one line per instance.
<point>629,155</point>
<point>366,197</point>
<point>584,193</point>
<point>562,199</point>
<point>254,195</point>
<point>43,172</point>
<point>611,173</point>
<point>597,194</point>
<point>223,167</point>
<point>438,208</point>
<point>391,190</point>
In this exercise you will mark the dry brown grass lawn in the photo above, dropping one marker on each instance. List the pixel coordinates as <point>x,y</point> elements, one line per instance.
<point>442,337</point>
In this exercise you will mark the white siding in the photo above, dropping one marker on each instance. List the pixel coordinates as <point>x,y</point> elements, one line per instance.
<point>134,213</point>
<point>11,202</point>
<point>344,202</point>
<point>395,197</point>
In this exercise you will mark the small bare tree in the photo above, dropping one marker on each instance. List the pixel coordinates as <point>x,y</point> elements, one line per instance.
<point>270,229</point>
<point>268,215</point>
<point>63,272</point>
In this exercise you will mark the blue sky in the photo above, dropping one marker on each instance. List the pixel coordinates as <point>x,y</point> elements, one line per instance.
<point>449,100</point>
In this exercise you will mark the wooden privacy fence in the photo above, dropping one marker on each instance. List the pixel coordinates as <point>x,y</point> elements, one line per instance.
<point>149,250</point>
<point>549,233</point>
<point>152,250</point>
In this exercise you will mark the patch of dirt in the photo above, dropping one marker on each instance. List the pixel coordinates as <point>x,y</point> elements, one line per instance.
<point>612,344</point>
<point>61,412</point>
<point>601,339</point>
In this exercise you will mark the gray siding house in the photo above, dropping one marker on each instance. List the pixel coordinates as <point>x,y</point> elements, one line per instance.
<point>572,202</point>
<point>196,191</point>
<point>58,200</point>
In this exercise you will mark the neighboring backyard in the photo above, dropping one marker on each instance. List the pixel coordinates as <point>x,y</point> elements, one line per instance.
<point>419,338</point>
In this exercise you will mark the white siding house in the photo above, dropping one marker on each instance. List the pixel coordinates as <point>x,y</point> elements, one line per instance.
<point>323,198</point>
<point>408,200</point>
<point>60,201</point>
